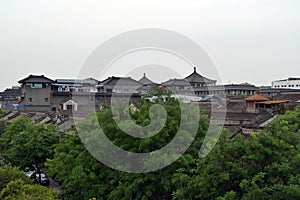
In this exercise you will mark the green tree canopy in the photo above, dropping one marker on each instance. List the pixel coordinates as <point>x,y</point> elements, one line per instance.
<point>18,190</point>
<point>26,144</point>
<point>84,177</point>
<point>2,113</point>
<point>263,166</point>
<point>8,174</point>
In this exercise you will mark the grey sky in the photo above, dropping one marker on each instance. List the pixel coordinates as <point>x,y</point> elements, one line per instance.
<point>254,41</point>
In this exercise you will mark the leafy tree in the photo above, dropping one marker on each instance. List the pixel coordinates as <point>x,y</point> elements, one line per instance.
<point>264,166</point>
<point>2,113</point>
<point>17,126</point>
<point>8,174</point>
<point>26,144</point>
<point>18,190</point>
<point>2,127</point>
<point>83,177</point>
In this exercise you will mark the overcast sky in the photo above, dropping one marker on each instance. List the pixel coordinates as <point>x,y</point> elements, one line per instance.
<point>254,41</point>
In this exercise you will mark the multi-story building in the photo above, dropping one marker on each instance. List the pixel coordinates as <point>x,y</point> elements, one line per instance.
<point>10,99</point>
<point>178,86</point>
<point>119,85</point>
<point>147,84</point>
<point>64,91</point>
<point>230,90</point>
<point>36,92</point>
<point>289,83</point>
<point>197,80</point>
<point>189,84</point>
<point>40,93</point>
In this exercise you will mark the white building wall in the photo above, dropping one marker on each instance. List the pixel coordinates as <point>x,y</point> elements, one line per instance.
<point>287,84</point>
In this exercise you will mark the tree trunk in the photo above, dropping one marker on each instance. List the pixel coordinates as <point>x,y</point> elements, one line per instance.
<point>40,176</point>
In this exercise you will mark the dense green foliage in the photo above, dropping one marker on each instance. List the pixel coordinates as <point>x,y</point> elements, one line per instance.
<point>2,113</point>
<point>18,190</point>
<point>2,123</point>
<point>26,144</point>
<point>8,174</point>
<point>264,166</point>
<point>2,127</point>
<point>15,185</point>
<point>83,177</point>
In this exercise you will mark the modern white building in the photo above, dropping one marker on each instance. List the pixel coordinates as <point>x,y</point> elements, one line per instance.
<point>290,83</point>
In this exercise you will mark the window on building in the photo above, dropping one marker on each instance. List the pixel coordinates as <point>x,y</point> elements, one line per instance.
<point>118,91</point>
<point>29,99</point>
<point>37,85</point>
<point>46,100</point>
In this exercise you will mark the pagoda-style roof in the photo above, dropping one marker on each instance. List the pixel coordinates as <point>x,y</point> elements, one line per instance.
<point>273,102</point>
<point>122,81</point>
<point>197,78</point>
<point>36,79</point>
<point>146,81</point>
<point>257,97</point>
<point>176,82</point>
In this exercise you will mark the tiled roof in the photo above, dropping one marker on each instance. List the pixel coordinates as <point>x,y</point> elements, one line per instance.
<point>257,97</point>
<point>292,96</point>
<point>146,81</point>
<point>197,78</point>
<point>240,87</point>
<point>36,79</point>
<point>227,87</point>
<point>176,82</point>
<point>124,81</point>
<point>273,102</point>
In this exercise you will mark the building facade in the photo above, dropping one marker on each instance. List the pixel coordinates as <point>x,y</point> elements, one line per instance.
<point>11,99</point>
<point>36,92</point>
<point>230,90</point>
<point>40,93</point>
<point>289,83</point>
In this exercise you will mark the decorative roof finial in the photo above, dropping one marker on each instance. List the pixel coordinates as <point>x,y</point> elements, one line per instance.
<point>144,74</point>
<point>194,69</point>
